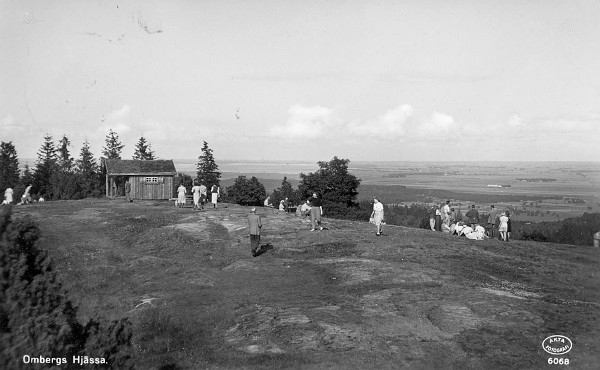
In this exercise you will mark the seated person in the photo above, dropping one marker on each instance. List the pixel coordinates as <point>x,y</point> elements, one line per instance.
<point>268,202</point>
<point>282,206</point>
<point>465,230</point>
<point>305,209</point>
<point>445,228</point>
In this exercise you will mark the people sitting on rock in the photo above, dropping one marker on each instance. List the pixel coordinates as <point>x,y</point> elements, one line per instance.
<point>477,234</point>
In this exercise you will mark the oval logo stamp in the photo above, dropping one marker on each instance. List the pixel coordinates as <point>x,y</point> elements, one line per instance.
<point>557,345</point>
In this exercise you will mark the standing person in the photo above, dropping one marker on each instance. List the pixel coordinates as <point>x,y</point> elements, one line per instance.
<point>128,191</point>
<point>432,217</point>
<point>508,226</point>
<point>196,193</point>
<point>473,216</point>
<point>446,213</point>
<point>438,218</point>
<point>491,222</point>
<point>255,226</point>
<point>503,226</point>
<point>26,198</point>
<point>215,194</point>
<point>316,211</point>
<point>203,195</point>
<point>453,218</point>
<point>377,215</point>
<point>8,196</point>
<point>181,196</point>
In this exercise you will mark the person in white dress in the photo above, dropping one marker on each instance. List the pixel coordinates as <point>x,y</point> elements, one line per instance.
<point>196,193</point>
<point>503,228</point>
<point>377,215</point>
<point>8,196</point>
<point>181,196</point>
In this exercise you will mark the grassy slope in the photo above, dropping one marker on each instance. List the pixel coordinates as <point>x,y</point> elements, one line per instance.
<point>342,298</point>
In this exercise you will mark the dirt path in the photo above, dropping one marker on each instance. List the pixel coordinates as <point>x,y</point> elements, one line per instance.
<point>340,298</point>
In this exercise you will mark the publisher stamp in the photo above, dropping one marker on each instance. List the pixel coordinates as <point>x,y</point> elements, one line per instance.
<point>557,345</point>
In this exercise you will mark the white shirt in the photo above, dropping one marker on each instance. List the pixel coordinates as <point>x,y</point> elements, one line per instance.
<point>378,207</point>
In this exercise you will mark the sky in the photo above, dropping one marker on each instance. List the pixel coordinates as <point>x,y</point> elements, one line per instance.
<point>402,80</point>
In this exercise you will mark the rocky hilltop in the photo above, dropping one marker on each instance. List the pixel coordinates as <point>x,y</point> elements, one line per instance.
<point>339,298</point>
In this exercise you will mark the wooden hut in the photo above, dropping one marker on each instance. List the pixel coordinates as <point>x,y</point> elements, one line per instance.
<point>149,179</point>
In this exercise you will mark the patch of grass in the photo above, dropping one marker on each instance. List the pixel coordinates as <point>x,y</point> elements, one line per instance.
<point>338,248</point>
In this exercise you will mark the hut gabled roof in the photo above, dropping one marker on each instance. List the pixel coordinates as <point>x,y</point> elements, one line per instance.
<point>134,167</point>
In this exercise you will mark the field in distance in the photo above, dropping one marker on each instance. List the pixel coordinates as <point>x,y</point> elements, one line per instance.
<point>550,191</point>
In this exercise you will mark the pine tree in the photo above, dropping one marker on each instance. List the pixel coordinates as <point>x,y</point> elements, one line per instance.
<point>86,164</point>
<point>65,182</point>
<point>88,170</point>
<point>65,160</point>
<point>286,191</point>
<point>143,150</point>
<point>9,166</point>
<point>113,147</point>
<point>26,177</point>
<point>207,168</point>
<point>46,164</point>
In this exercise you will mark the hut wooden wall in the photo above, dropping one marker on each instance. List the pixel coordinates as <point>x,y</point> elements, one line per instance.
<point>142,190</point>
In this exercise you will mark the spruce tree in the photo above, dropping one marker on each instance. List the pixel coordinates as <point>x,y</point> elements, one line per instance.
<point>65,160</point>
<point>113,147</point>
<point>143,150</point>
<point>207,168</point>
<point>88,170</point>
<point>9,166</point>
<point>46,164</point>
<point>86,164</point>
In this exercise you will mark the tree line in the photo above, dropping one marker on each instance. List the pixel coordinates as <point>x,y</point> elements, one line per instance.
<point>57,174</point>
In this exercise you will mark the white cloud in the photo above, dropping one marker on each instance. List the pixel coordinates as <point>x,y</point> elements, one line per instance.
<point>515,121</point>
<point>120,114</point>
<point>307,122</point>
<point>396,123</point>
<point>9,124</point>
<point>390,125</point>
<point>438,124</point>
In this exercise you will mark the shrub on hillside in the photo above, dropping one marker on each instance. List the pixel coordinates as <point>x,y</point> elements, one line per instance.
<point>36,316</point>
<point>246,192</point>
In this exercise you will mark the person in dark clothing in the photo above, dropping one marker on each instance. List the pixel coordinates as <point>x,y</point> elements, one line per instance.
<point>128,191</point>
<point>438,218</point>
<point>473,216</point>
<point>255,225</point>
<point>316,211</point>
<point>432,218</point>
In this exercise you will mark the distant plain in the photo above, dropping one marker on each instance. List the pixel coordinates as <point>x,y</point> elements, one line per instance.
<point>547,187</point>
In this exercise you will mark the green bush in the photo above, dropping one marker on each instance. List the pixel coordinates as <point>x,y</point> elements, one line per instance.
<point>36,316</point>
<point>246,192</point>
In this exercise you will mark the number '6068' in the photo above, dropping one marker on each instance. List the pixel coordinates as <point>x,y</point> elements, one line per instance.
<point>558,361</point>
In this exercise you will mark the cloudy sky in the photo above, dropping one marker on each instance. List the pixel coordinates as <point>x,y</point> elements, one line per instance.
<point>457,80</point>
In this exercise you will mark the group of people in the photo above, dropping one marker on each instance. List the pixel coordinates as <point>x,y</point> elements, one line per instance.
<point>25,198</point>
<point>305,210</point>
<point>312,207</point>
<point>447,219</point>
<point>200,195</point>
